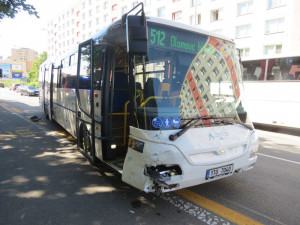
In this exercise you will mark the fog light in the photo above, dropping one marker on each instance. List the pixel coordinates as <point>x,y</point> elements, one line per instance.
<point>114,146</point>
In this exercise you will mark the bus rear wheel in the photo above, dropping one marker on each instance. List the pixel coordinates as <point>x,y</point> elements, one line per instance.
<point>86,141</point>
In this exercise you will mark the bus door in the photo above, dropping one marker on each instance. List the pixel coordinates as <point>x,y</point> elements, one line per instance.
<point>85,121</point>
<point>48,91</point>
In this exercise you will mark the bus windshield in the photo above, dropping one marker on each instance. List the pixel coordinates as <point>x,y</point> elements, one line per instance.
<point>186,75</point>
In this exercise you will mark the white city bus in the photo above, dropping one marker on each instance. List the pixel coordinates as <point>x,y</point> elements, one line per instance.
<point>272,88</point>
<point>159,101</point>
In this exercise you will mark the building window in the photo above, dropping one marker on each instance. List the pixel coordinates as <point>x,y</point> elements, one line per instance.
<point>272,49</point>
<point>114,7</point>
<point>274,26</point>
<point>195,3</point>
<point>105,5</point>
<point>161,11</point>
<point>105,17</point>
<point>134,4</point>
<point>208,81</point>
<point>244,8</point>
<point>124,10</point>
<point>198,22</point>
<point>275,3</point>
<point>210,62</point>
<point>201,88</point>
<point>176,15</point>
<point>192,20</point>
<point>243,31</point>
<point>244,52</point>
<point>216,15</point>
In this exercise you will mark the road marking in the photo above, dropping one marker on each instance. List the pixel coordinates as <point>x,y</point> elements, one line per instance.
<point>16,110</point>
<point>25,133</point>
<point>286,160</point>
<point>65,134</point>
<point>251,210</point>
<point>216,208</point>
<point>4,104</point>
<point>42,123</point>
<point>11,134</point>
<point>193,209</point>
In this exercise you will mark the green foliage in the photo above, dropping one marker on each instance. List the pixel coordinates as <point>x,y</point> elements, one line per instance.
<point>7,83</point>
<point>9,8</point>
<point>33,75</point>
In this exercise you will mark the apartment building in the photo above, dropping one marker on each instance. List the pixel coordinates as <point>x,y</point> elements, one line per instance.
<point>259,27</point>
<point>19,63</point>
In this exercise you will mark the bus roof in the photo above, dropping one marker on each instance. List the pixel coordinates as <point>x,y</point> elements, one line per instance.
<point>118,24</point>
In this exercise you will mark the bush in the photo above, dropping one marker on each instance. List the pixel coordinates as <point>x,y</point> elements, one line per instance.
<point>7,83</point>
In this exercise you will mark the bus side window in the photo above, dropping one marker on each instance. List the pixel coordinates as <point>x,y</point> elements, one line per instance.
<point>98,52</point>
<point>85,68</point>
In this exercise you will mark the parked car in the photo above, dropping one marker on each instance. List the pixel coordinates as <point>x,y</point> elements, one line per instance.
<point>29,90</point>
<point>2,85</point>
<point>13,87</point>
<point>20,88</point>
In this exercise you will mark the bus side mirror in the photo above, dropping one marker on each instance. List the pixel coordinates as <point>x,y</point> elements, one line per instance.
<point>137,37</point>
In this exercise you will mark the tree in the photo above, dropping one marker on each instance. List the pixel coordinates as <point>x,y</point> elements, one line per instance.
<point>34,72</point>
<point>9,8</point>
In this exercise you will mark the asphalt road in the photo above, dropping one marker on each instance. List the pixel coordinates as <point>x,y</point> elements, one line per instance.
<point>44,180</point>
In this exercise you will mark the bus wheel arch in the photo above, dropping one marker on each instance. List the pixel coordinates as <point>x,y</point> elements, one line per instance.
<point>84,139</point>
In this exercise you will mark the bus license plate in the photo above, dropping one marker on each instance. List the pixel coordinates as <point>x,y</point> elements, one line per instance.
<point>220,171</point>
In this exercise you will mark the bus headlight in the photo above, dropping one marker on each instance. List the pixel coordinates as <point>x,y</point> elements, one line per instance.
<point>253,146</point>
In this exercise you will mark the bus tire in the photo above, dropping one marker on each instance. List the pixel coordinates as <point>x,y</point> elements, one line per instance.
<point>85,144</point>
<point>46,113</point>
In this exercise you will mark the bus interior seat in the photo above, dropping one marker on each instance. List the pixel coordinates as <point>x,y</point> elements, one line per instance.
<point>138,85</point>
<point>151,87</point>
<point>164,89</point>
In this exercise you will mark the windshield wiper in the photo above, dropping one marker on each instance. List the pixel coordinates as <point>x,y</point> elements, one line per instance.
<point>193,122</point>
<point>187,126</point>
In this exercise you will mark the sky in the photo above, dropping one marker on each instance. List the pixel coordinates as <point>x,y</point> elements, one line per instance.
<point>25,31</point>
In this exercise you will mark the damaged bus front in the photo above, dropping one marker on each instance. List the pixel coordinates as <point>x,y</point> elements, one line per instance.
<point>189,124</point>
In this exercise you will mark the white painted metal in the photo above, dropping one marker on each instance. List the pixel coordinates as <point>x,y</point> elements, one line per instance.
<point>197,151</point>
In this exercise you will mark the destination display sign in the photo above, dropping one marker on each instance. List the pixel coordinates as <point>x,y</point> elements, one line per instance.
<point>167,37</point>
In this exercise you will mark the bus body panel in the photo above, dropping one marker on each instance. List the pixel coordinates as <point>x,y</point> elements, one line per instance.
<point>214,147</point>
<point>272,90</point>
<point>274,103</point>
<point>65,113</point>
